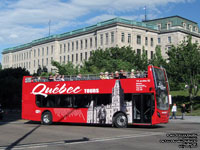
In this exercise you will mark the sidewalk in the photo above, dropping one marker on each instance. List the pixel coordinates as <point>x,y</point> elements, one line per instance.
<point>187,119</point>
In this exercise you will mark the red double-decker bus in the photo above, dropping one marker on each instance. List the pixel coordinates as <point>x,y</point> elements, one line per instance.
<point>137,101</point>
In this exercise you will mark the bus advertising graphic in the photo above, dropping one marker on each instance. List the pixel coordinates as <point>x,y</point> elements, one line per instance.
<point>138,101</point>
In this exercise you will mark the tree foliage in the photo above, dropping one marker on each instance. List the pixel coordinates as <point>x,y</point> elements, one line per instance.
<point>65,69</point>
<point>114,58</point>
<point>184,65</point>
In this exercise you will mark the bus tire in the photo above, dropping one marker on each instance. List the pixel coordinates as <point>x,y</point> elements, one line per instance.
<point>46,118</point>
<point>120,120</point>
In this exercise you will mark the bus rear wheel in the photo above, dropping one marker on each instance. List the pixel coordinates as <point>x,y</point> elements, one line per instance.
<point>120,120</point>
<point>46,118</point>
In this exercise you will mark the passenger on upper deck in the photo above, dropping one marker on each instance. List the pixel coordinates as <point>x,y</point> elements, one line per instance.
<point>106,75</point>
<point>101,75</point>
<point>116,75</point>
<point>79,76</point>
<point>132,73</point>
<point>62,78</point>
<point>111,76</point>
<point>50,78</point>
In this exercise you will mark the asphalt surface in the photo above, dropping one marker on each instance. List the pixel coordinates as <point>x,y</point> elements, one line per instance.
<point>23,134</point>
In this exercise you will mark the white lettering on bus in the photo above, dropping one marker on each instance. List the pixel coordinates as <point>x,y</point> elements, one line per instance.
<point>42,89</point>
<point>91,90</point>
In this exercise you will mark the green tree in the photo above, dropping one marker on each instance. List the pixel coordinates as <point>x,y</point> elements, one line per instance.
<point>157,59</point>
<point>0,66</point>
<point>114,58</point>
<point>184,66</point>
<point>65,69</point>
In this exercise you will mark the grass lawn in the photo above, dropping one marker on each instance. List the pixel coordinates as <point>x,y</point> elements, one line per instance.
<point>185,95</point>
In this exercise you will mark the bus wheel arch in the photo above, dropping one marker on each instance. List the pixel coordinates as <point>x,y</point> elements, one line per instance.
<point>46,117</point>
<point>120,120</point>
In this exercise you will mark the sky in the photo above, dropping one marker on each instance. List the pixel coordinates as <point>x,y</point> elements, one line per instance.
<point>22,21</point>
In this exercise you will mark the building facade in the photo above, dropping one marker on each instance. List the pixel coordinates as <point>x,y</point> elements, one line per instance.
<point>77,46</point>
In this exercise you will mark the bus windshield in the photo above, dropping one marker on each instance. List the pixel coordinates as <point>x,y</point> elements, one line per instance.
<point>161,89</point>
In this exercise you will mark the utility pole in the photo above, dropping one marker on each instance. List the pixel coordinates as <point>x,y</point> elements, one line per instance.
<point>49,27</point>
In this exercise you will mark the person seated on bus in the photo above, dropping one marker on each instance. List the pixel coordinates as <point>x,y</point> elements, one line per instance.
<point>116,75</point>
<point>50,78</point>
<point>124,75</point>
<point>55,76</point>
<point>62,78</point>
<point>111,76</point>
<point>132,73</point>
<point>137,74</point>
<point>106,76</point>
<point>58,78</point>
<point>79,76</point>
<point>101,75</point>
<point>121,74</point>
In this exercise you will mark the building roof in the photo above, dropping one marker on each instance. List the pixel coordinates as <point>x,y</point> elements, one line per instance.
<point>170,17</point>
<point>79,31</point>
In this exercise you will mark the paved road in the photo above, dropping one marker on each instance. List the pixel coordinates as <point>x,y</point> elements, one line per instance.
<point>21,134</point>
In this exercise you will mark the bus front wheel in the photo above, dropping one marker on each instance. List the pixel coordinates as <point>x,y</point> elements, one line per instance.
<point>46,118</point>
<point>120,120</point>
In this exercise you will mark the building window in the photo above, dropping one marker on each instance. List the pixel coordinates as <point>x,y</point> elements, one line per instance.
<point>60,59</point>
<point>138,39</point>
<point>146,41</point>
<point>81,44</point>
<point>85,55</point>
<point>64,59</point>
<point>129,38</point>
<point>38,62</point>
<point>34,52</point>
<point>64,48</point>
<point>68,59</point>
<point>76,45</point>
<point>159,26</point>
<point>34,63</point>
<point>68,47</point>
<point>95,41</point>
<point>168,25</point>
<point>42,62</point>
<point>112,37</point>
<point>52,49</point>
<point>72,46</point>
<point>159,40</point>
<point>106,38</point>
<point>72,58</point>
<point>122,37</point>
<point>38,52</point>
<point>151,41</point>
<point>47,50</point>
<point>139,51</point>
<point>90,42</point>
<point>85,43</point>
<point>169,39</point>
<point>81,57</point>
<point>101,39</point>
<point>42,51</point>
<point>51,59</point>
<point>151,54</point>
<point>146,52</point>
<point>47,63</point>
<point>90,53</point>
<point>76,57</point>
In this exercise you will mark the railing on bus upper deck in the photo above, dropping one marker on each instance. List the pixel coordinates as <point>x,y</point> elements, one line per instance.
<point>83,77</point>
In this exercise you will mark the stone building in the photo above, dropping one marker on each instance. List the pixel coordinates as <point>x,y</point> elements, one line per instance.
<point>77,46</point>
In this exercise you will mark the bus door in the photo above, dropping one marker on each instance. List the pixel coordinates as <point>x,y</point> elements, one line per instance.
<point>143,108</point>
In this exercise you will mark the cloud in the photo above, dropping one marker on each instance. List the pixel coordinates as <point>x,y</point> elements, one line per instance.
<point>22,21</point>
